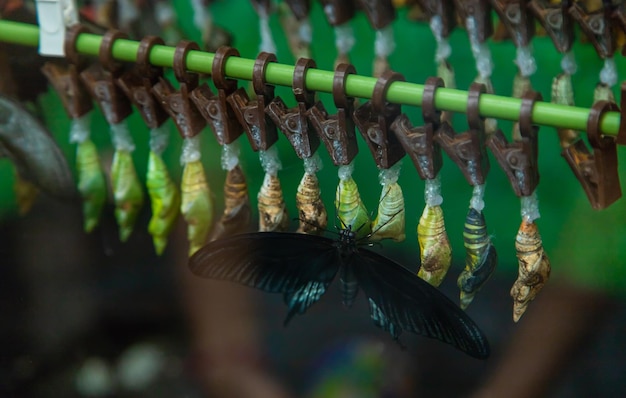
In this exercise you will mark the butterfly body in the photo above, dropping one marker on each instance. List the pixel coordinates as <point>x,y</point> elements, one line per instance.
<point>301,267</point>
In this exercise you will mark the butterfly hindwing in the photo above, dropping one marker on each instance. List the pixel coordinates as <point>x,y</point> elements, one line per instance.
<point>401,300</point>
<point>299,266</point>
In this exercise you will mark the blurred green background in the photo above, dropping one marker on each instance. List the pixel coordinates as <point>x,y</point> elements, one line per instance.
<point>584,245</point>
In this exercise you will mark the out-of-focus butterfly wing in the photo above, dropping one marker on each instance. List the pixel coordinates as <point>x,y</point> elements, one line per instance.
<point>299,266</point>
<point>401,300</point>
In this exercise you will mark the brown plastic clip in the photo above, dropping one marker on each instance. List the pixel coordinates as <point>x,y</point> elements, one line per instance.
<point>480,10</point>
<point>259,127</point>
<point>556,20</point>
<point>518,159</point>
<point>177,103</point>
<point>299,8</point>
<point>444,9</point>
<point>137,84</point>
<point>374,119</point>
<point>517,19</point>
<point>619,15</point>
<point>380,13</point>
<point>597,26</point>
<point>467,149</point>
<point>100,81</point>
<point>66,80</point>
<point>293,122</point>
<point>418,142</point>
<point>337,131</point>
<point>338,12</point>
<point>597,171</point>
<point>621,135</point>
<point>215,107</point>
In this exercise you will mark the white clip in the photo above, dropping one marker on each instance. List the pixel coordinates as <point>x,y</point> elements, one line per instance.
<point>54,17</point>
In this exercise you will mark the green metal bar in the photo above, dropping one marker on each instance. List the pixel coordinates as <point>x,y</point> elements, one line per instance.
<point>494,106</point>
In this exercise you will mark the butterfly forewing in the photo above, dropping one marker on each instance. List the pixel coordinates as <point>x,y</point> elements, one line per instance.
<point>407,302</point>
<point>272,261</point>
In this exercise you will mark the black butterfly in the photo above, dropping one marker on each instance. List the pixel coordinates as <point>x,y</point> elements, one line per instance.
<point>303,266</point>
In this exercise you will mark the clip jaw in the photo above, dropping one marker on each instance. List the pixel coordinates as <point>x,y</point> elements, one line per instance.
<point>177,103</point>
<point>480,10</point>
<point>294,122</point>
<point>137,85</point>
<point>337,132</point>
<point>467,149</point>
<point>597,26</point>
<point>374,120</point>
<point>338,12</point>
<point>380,13</point>
<point>214,107</point>
<point>101,78</point>
<point>518,159</point>
<point>259,127</point>
<point>442,8</point>
<point>556,20</point>
<point>518,21</point>
<point>419,142</point>
<point>597,171</point>
<point>66,80</point>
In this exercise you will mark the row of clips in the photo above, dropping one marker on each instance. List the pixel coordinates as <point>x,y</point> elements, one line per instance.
<point>388,133</point>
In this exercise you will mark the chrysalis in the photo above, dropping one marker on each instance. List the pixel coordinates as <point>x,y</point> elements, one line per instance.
<point>127,191</point>
<point>91,183</point>
<point>196,200</point>
<point>350,209</point>
<point>534,267</point>
<point>481,257</point>
<point>446,72</point>
<point>390,220</point>
<point>196,205</point>
<point>165,200</point>
<point>273,214</point>
<point>237,214</point>
<point>294,19</point>
<point>435,249</point>
<point>312,213</point>
<point>563,93</point>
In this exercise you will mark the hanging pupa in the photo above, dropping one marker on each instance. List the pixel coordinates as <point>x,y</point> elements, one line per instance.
<point>339,13</point>
<point>442,17</point>
<point>467,150</point>
<point>519,162</point>
<point>555,18</point>
<point>294,18</point>
<point>197,201</point>
<point>425,152</point>
<point>312,217</point>
<point>351,210</point>
<point>374,119</point>
<point>78,105</point>
<point>390,220</point>
<point>237,215</point>
<point>100,79</point>
<point>435,249</point>
<point>164,194</point>
<point>196,205</point>
<point>381,14</point>
<point>300,132</point>
<point>273,215</point>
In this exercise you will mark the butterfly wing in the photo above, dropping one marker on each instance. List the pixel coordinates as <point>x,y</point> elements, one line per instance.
<point>401,300</point>
<point>299,266</point>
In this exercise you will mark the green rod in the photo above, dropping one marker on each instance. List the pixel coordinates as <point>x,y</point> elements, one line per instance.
<point>494,106</point>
